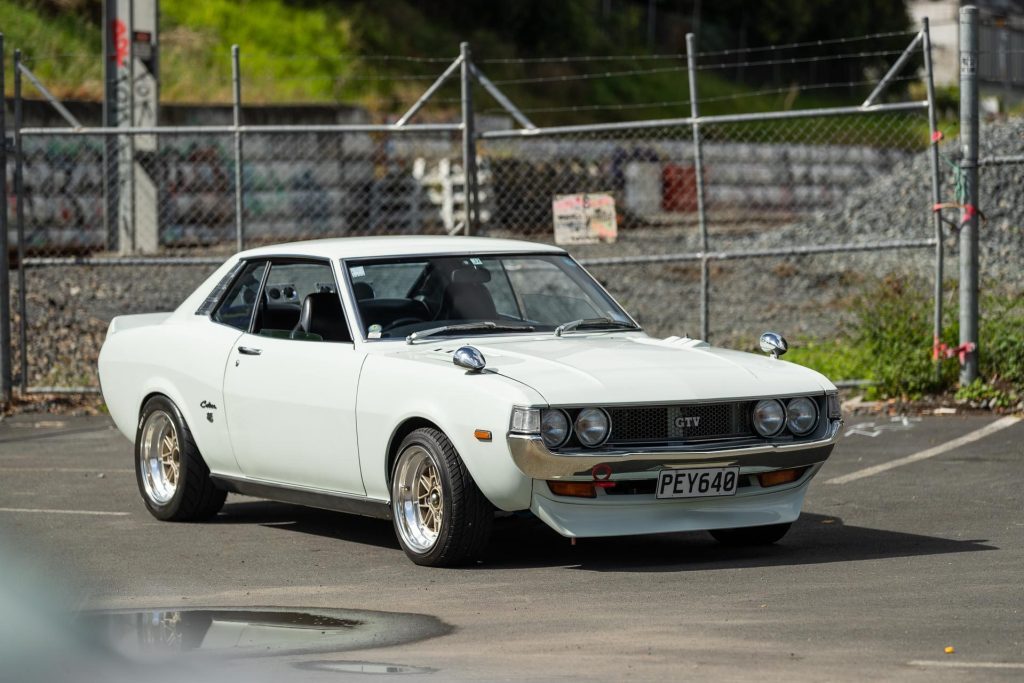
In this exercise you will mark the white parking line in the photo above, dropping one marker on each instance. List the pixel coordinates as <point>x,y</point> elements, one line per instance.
<point>967,665</point>
<point>66,469</point>
<point>66,512</point>
<point>990,428</point>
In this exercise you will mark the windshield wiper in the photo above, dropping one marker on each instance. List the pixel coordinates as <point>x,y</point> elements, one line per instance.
<point>467,327</point>
<point>593,322</point>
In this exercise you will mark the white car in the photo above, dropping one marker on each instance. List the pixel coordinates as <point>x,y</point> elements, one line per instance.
<point>437,381</point>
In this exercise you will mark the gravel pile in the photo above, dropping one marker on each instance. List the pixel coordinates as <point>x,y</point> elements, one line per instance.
<point>804,297</point>
<point>808,296</point>
<point>895,206</point>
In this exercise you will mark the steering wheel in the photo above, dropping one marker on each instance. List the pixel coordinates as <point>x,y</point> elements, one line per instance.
<point>399,322</point>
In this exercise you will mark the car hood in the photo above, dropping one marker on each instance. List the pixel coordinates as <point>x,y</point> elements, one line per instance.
<point>632,368</point>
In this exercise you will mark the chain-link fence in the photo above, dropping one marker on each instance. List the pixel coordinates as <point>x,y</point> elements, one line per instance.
<point>726,224</point>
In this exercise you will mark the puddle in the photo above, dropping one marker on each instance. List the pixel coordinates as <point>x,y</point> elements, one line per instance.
<point>364,668</point>
<point>233,632</point>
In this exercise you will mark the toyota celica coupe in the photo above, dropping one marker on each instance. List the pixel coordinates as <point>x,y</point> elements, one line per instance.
<point>437,381</point>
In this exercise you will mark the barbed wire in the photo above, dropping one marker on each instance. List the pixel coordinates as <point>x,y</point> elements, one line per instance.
<point>801,60</point>
<point>587,76</point>
<point>809,43</point>
<point>686,102</point>
<point>667,69</point>
<point>682,55</point>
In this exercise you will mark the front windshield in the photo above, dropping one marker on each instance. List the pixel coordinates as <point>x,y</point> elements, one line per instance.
<point>398,296</point>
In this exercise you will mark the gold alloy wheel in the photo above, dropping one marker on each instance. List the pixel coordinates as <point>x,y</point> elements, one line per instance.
<point>419,499</point>
<point>160,457</point>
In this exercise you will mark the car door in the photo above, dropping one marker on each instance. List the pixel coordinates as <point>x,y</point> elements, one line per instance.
<point>221,320</point>
<point>290,393</point>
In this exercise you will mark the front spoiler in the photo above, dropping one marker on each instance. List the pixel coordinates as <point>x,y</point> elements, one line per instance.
<point>535,461</point>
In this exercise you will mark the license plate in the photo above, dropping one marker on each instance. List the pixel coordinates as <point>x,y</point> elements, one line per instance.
<point>718,481</point>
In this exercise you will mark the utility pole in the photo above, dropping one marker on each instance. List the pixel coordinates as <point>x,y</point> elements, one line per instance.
<point>969,217</point>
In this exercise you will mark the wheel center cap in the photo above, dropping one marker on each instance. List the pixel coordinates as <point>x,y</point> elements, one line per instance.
<point>434,498</point>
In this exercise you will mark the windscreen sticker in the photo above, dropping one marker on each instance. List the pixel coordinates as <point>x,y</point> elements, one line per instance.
<point>476,262</point>
<point>357,271</point>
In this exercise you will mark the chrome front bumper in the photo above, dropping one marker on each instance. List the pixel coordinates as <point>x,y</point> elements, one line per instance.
<point>535,461</point>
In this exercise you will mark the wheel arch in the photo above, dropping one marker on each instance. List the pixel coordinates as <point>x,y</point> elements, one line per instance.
<point>164,388</point>
<point>404,429</point>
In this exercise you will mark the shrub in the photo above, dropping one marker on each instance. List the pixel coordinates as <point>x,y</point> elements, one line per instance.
<point>890,343</point>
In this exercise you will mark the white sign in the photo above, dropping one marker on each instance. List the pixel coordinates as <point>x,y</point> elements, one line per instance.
<point>584,218</point>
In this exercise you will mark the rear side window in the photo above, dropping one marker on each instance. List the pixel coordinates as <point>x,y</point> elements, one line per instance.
<point>217,292</point>
<point>237,306</point>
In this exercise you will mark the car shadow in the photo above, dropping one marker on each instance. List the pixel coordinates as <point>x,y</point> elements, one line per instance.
<point>521,542</point>
<point>337,525</point>
<point>814,539</point>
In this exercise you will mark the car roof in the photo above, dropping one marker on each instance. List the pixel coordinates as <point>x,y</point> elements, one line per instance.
<point>399,245</point>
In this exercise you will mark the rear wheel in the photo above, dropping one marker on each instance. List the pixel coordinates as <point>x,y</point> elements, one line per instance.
<point>751,535</point>
<point>440,517</point>
<point>173,479</point>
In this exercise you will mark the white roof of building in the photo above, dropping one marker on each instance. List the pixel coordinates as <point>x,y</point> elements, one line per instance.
<point>399,245</point>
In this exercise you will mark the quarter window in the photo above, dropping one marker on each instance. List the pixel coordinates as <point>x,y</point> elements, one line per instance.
<point>237,307</point>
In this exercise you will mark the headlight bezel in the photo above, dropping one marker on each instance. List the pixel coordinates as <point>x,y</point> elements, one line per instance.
<point>577,431</point>
<point>782,417</point>
<point>568,429</point>
<point>814,415</point>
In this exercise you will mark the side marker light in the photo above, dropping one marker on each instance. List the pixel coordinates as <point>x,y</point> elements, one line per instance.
<point>778,477</point>
<point>576,489</point>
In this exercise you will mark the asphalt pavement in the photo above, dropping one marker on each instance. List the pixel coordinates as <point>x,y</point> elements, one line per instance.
<point>886,569</point>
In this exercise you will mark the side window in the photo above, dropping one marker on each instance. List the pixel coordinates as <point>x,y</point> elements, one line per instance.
<point>217,292</point>
<point>237,306</point>
<point>301,302</point>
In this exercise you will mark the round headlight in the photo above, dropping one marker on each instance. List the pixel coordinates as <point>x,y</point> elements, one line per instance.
<point>801,415</point>
<point>592,427</point>
<point>769,416</point>
<point>554,428</point>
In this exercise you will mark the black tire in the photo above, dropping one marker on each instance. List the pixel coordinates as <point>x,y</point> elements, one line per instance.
<point>466,515</point>
<point>195,497</point>
<point>751,535</point>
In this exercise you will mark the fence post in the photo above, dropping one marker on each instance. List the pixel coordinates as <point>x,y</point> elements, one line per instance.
<point>5,253</point>
<point>936,197</point>
<point>698,167</point>
<point>969,217</point>
<point>19,191</point>
<point>236,83</point>
<point>468,141</point>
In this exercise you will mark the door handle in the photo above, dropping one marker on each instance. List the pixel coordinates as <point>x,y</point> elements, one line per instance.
<point>249,351</point>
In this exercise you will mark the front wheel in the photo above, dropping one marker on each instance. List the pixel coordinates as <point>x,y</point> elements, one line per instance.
<point>173,479</point>
<point>751,535</point>
<point>441,518</point>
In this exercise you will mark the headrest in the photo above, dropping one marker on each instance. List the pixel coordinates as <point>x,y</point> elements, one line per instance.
<point>322,314</point>
<point>471,274</point>
<point>362,291</point>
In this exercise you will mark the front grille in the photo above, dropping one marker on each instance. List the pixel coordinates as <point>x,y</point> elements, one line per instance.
<point>668,423</point>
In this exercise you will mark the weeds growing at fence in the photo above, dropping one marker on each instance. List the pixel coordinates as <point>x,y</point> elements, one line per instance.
<point>890,343</point>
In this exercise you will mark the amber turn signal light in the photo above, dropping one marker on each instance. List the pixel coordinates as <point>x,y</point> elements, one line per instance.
<point>482,434</point>
<point>578,489</point>
<point>779,477</point>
